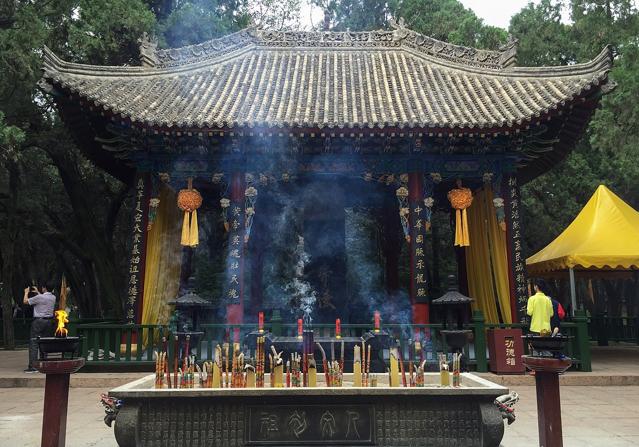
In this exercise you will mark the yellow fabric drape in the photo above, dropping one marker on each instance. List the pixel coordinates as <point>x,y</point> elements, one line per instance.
<point>163,261</point>
<point>487,260</point>
<point>190,234</point>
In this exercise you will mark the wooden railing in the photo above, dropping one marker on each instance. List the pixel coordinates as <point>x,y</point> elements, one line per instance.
<point>124,344</point>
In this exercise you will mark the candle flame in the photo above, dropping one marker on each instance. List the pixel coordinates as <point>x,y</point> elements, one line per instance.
<point>61,317</point>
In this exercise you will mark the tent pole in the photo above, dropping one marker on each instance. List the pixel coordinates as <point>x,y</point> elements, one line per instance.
<point>573,292</point>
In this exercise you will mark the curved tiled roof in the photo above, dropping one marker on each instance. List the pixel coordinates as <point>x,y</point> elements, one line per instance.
<point>377,79</point>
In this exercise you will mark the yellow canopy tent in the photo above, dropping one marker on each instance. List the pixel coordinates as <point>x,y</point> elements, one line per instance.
<point>603,236</point>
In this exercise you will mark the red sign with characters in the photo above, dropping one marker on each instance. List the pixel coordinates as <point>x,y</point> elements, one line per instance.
<point>505,348</point>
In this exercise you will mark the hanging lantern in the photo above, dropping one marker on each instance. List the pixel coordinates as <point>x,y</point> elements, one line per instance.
<point>250,196</point>
<point>428,203</point>
<point>498,203</point>
<point>404,213</point>
<point>154,204</point>
<point>189,200</point>
<point>460,199</point>
<point>225,203</point>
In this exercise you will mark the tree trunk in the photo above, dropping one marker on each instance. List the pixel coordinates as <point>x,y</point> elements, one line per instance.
<point>93,238</point>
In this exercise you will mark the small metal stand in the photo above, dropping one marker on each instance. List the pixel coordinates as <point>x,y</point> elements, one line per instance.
<point>56,399</point>
<point>547,370</point>
<point>56,391</point>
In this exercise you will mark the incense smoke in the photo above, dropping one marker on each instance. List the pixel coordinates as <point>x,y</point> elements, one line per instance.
<point>300,290</point>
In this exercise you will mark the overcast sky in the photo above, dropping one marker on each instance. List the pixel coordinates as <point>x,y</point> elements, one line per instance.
<point>494,12</point>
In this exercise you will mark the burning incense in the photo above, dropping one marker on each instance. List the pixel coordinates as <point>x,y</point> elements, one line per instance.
<point>411,379</point>
<point>357,366</point>
<point>377,321</point>
<point>226,365</point>
<point>300,329</point>
<point>393,379</point>
<point>324,364</point>
<point>176,347</point>
<point>456,369</point>
<point>444,374</point>
<point>368,364</point>
<point>186,351</point>
<point>217,368</point>
<point>259,370</point>
<point>312,371</point>
<point>250,375</point>
<point>401,366</point>
<point>338,328</point>
<point>260,322</point>
<point>277,374</point>
<point>419,379</point>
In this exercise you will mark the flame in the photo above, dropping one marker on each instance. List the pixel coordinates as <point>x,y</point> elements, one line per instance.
<point>61,317</point>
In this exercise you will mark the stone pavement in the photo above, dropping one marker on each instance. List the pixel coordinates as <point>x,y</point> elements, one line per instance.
<point>592,416</point>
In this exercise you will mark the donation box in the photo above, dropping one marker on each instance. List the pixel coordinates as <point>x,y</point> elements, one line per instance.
<point>505,348</point>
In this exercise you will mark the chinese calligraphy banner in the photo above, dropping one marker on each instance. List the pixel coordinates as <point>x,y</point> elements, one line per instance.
<point>235,253</point>
<point>135,277</point>
<point>519,287</point>
<point>418,222</point>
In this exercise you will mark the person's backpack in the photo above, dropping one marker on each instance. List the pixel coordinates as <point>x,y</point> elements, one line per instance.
<point>561,313</point>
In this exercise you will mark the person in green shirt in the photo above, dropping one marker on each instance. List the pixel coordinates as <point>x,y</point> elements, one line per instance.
<point>540,309</point>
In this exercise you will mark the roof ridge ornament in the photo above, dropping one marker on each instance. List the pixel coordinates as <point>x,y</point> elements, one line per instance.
<point>400,30</point>
<point>509,52</point>
<point>148,51</point>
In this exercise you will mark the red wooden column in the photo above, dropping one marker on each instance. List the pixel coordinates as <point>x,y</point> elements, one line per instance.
<point>418,285</point>
<point>234,290</point>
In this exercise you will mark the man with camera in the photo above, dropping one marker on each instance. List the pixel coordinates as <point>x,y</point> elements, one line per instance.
<point>43,303</point>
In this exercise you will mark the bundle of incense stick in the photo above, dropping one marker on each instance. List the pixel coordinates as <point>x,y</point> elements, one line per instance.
<point>411,377</point>
<point>225,346</point>
<point>176,349</point>
<point>160,366</point>
<point>444,374</point>
<point>357,367</point>
<point>207,372</point>
<point>456,369</point>
<point>259,363</point>
<point>393,373</point>
<point>296,370</point>
<point>335,374</point>
<point>419,379</point>
<point>312,371</point>
<point>217,368</point>
<point>368,365</point>
<point>277,368</point>
<point>401,365</point>
<point>341,357</point>
<point>324,364</point>
<point>249,381</point>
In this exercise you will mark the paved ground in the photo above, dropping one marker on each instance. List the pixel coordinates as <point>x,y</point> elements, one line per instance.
<point>592,417</point>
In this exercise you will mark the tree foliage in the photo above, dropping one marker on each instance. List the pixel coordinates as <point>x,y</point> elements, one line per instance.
<point>59,213</point>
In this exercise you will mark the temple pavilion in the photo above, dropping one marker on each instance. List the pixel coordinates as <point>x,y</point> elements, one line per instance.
<point>262,135</point>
